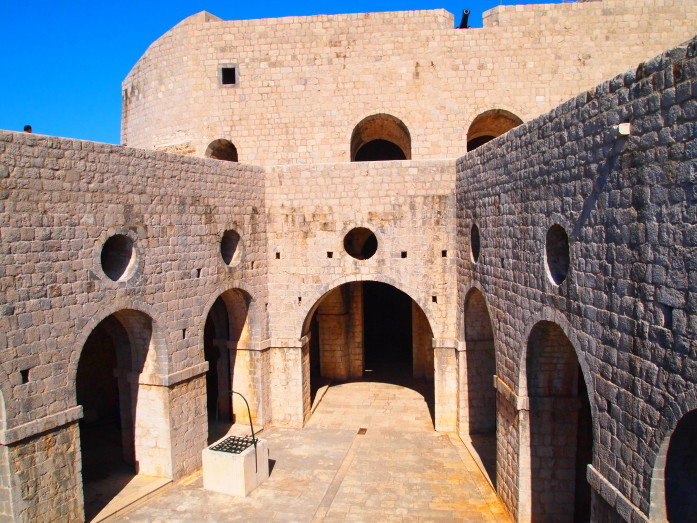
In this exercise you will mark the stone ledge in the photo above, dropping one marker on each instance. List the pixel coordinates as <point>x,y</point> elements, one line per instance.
<point>518,402</point>
<point>445,343</point>
<point>26,430</point>
<point>614,497</point>
<point>171,379</point>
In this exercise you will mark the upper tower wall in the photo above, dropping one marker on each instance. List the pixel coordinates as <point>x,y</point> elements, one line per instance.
<point>303,83</point>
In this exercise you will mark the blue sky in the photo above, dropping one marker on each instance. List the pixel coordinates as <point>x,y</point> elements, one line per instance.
<point>64,61</point>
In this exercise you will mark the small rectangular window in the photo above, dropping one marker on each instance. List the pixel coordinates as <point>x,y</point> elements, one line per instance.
<point>228,75</point>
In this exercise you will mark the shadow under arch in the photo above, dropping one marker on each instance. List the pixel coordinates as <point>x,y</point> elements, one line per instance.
<point>227,331</point>
<point>479,417</point>
<point>489,125</point>
<point>560,429</point>
<point>124,430</point>
<point>368,330</point>
<point>662,502</point>
<point>380,137</point>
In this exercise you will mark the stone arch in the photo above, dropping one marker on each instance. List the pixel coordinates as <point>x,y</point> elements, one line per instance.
<point>685,404</point>
<point>489,125</point>
<point>346,332</point>
<point>560,426</point>
<point>315,298</point>
<point>125,412</point>
<point>225,346</point>
<point>380,137</point>
<point>222,149</point>
<point>478,414</point>
<point>255,323</point>
<point>158,360</point>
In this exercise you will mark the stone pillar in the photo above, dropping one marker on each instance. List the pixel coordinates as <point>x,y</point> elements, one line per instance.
<point>513,482</point>
<point>445,384</point>
<point>29,489</point>
<point>290,381</point>
<point>249,377</point>
<point>356,340</point>
<point>333,345</point>
<point>422,344</point>
<point>188,419</point>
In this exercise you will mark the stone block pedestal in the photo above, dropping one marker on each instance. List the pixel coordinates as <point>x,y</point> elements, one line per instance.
<point>235,474</point>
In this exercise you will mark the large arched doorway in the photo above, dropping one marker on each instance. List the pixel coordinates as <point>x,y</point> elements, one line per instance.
<point>681,471</point>
<point>479,392</point>
<point>123,431</point>
<point>561,437</point>
<point>489,125</point>
<point>369,330</point>
<point>380,137</point>
<point>226,333</point>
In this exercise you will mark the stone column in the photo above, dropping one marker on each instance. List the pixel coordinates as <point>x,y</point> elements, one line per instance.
<point>249,377</point>
<point>290,381</point>
<point>188,418</point>
<point>445,383</point>
<point>513,451</point>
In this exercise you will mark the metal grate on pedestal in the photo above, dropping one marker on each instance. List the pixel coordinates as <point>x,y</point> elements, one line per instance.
<point>234,444</point>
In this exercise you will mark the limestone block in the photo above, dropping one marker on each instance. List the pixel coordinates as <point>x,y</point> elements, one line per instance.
<point>235,474</point>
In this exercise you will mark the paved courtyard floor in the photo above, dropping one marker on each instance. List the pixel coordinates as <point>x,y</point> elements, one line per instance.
<point>398,469</point>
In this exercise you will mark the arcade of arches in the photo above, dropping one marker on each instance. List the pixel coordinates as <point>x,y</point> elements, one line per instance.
<point>359,330</point>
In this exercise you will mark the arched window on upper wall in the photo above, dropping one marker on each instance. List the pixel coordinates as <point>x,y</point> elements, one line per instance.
<point>222,149</point>
<point>380,137</point>
<point>489,125</point>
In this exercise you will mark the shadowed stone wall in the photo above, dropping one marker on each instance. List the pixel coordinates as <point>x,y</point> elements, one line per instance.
<point>627,303</point>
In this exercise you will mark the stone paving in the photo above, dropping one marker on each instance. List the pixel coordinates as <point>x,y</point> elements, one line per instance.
<point>400,469</point>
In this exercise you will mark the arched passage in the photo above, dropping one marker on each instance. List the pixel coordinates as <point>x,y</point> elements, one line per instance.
<point>225,344</point>
<point>222,149</point>
<point>561,437</point>
<point>489,125</point>
<point>681,471</point>
<point>125,426</point>
<point>380,137</point>
<point>370,330</point>
<point>479,390</point>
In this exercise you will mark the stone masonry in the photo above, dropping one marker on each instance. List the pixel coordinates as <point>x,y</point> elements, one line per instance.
<point>551,272</point>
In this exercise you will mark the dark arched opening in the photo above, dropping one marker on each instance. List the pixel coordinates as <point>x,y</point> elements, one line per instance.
<point>561,438</point>
<point>114,440</point>
<point>681,471</point>
<point>225,337</point>
<point>480,391</point>
<point>222,149</point>
<point>379,151</point>
<point>380,137</point>
<point>369,331</point>
<point>489,125</point>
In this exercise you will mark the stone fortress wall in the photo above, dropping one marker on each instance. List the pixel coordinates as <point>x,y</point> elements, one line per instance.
<point>627,302</point>
<point>304,83</point>
<point>61,200</point>
<point>259,238</point>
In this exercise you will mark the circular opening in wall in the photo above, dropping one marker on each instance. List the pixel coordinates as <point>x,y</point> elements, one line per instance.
<point>361,243</point>
<point>230,248</point>
<point>474,242</point>
<point>557,253</point>
<point>117,256</point>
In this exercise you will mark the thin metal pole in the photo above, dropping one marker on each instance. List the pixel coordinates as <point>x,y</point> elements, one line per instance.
<point>251,426</point>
